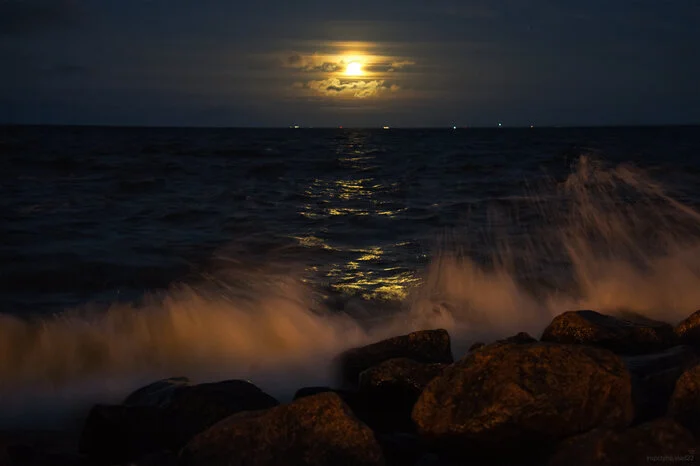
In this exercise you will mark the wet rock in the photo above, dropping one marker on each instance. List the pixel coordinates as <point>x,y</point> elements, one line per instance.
<point>392,389</point>
<point>315,430</point>
<point>513,401</point>
<point>428,346</point>
<point>643,444</point>
<point>158,394</point>
<point>688,331</point>
<point>634,336</point>
<point>684,405</point>
<point>654,377</point>
<point>121,433</point>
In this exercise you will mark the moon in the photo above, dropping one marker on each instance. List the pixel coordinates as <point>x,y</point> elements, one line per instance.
<point>354,68</point>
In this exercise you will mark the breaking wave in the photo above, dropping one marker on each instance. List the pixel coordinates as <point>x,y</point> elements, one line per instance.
<point>605,239</point>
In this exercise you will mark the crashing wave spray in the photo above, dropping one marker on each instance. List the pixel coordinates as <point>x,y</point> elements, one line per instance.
<point>606,239</point>
<point>610,240</point>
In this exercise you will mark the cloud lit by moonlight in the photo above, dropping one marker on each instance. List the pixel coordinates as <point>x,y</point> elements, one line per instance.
<point>348,75</point>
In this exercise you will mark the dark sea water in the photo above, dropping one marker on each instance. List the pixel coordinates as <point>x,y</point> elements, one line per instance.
<point>130,254</point>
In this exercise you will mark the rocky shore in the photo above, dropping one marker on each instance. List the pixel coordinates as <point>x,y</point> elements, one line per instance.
<point>593,390</point>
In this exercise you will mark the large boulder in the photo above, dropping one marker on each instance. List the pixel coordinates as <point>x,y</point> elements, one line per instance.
<point>149,424</point>
<point>158,394</point>
<point>688,331</point>
<point>427,346</point>
<point>643,444</point>
<point>393,387</point>
<point>197,407</point>
<point>521,399</point>
<point>318,430</point>
<point>635,335</point>
<point>359,403</point>
<point>654,377</point>
<point>684,405</point>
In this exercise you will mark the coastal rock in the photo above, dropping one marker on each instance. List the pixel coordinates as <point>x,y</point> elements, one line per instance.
<point>688,331</point>
<point>509,401</point>
<point>158,394</point>
<point>428,346</point>
<point>121,433</point>
<point>643,444</point>
<point>521,338</point>
<point>684,405</point>
<point>197,407</point>
<point>637,335</point>
<point>393,387</point>
<point>654,377</point>
<point>317,430</point>
<point>476,346</point>
<point>366,408</point>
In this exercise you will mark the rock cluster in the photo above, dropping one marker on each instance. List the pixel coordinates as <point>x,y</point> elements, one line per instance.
<point>594,390</point>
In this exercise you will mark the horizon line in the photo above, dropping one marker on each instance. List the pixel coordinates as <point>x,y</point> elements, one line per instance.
<point>378,127</point>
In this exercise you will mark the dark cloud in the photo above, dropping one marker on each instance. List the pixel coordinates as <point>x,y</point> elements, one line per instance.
<point>295,59</point>
<point>313,64</point>
<point>336,87</point>
<point>325,67</point>
<point>25,17</point>
<point>389,67</point>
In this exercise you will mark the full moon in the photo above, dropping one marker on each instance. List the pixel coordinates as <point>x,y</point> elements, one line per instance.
<point>354,68</point>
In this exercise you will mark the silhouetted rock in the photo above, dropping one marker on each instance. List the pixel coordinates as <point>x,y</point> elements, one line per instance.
<point>514,401</point>
<point>684,405</point>
<point>643,444</point>
<point>428,346</point>
<point>688,331</point>
<point>195,408</point>
<point>311,391</point>
<point>158,394</point>
<point>318,430</point>
<point>392,389</point>
<point>120,433</point>
<point>476,346</point>
<point>371,411</point>
<point>114,434</point>
<point>521,338</point>
<point>654,377</point>
<point>622,336</point>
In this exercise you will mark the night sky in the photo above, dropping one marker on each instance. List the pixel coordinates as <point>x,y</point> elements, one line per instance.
<point>415,63</point>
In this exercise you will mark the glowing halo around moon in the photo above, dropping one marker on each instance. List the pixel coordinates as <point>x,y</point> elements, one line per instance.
<point>354,68</point>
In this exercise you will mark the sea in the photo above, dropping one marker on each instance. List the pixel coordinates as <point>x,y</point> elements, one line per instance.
<point>134,254</point>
